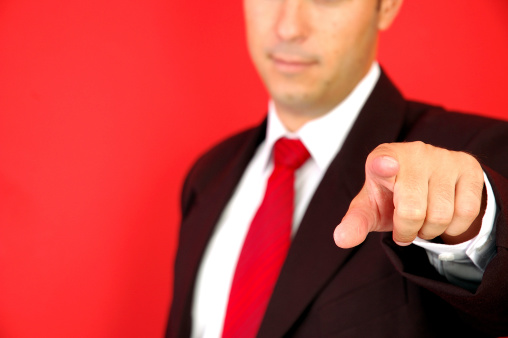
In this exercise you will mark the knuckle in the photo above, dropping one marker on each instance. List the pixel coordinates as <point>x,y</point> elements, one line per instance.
<point>410,190</point>
<point>419,147</point>
<point>444,192</point>
<point>476,186</point>
<point>439,218</point>
<point>405,238</point>
<point>425,234</point>
<point>441,208</point>
<point>418,144</point>
<point>382,149</point>
<point>472,167</point>
<point>469,159</point>
<point>411,214</point>
<point>467,210</point>
<point>455,231</point>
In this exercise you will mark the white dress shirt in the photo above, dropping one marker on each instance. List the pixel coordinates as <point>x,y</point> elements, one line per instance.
<point>323,137</point>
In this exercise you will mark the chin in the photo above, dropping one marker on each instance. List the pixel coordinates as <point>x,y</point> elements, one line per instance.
<point>297,97</point>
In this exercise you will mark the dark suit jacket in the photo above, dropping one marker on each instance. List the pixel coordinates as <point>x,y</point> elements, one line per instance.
<point>376,289</point>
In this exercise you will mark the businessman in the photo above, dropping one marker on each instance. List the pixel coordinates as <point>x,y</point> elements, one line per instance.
<point>350,211</point>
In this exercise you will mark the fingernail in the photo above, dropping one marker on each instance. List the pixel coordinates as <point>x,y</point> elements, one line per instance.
<point>402,243</point>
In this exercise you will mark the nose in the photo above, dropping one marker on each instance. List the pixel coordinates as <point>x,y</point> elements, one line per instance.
<point>291,23</point>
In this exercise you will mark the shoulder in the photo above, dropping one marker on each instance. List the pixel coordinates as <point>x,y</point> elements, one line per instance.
<point>481,136</point>
<point>450,129</point>
<point>427,122</point>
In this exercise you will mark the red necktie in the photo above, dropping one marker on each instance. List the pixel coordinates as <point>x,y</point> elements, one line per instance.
<point>266,245</point>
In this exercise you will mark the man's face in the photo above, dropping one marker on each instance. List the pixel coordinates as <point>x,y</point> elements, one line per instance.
<point>311,53</point>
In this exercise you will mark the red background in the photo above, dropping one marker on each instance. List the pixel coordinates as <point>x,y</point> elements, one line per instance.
<point>105,104</point>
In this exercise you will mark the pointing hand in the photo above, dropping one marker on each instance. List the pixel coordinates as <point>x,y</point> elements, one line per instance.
<point>415,189</point>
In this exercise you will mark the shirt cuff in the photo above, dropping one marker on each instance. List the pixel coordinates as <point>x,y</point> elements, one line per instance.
<point>478,250</point>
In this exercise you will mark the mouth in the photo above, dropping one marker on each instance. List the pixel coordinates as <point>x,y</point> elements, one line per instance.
<point>291,64</point>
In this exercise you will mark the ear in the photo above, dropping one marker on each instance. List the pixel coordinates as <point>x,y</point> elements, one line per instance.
<point>388,10</point>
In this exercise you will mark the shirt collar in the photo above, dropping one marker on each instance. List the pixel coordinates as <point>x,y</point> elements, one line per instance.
<point>324,136</point>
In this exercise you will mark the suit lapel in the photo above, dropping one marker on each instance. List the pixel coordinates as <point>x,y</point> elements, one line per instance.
<point>198,225</point>
<point>313,257</point>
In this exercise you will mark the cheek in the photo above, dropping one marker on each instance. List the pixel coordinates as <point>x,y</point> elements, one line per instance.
<point>345,52</point>
<point>257,34</point>
<point>335,56</point>
<point>258,19</point>
<point>254,42</point>
<point>332,40</point>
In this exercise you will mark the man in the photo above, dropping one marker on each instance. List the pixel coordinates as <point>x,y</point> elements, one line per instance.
<point>391,172</point>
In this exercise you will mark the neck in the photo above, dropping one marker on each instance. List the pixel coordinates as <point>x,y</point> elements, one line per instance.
<point>293,119</point>
<point>295,116</point>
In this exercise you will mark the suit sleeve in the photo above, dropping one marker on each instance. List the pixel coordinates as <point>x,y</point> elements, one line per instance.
<point>487,307</point>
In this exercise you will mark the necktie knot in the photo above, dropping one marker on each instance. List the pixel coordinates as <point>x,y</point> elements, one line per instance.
<point>290,153</point>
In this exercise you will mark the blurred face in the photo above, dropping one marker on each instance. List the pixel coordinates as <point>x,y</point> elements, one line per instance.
<point>312,53</point>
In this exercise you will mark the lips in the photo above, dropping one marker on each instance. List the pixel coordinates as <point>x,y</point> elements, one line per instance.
<point>287,63</point>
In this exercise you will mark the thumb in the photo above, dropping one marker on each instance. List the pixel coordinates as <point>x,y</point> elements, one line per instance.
<point>372,209</point>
